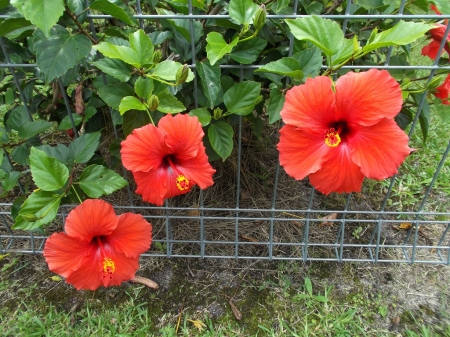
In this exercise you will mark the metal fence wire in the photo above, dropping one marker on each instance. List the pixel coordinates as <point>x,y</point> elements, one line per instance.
<point>291,221</point>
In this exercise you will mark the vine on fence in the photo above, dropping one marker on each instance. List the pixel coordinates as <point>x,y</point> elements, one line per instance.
<point>133,73</point>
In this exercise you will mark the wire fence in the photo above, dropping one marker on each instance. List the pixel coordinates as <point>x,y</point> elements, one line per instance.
<point>311,228</point>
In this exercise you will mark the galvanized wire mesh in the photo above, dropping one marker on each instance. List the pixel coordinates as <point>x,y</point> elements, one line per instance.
<point>308,232</point>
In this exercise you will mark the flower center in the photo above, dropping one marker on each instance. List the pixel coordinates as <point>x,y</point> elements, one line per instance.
<point>332,138</point>
<point>182,182</point>
<point>108,267</point>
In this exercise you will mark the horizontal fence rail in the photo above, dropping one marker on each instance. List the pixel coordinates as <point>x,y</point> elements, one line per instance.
<point>346,228</point>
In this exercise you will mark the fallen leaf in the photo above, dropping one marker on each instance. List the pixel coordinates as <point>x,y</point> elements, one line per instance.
<point>330,216</point>
<point>3,256</point>
<point>405,226</point>
<point>198,324</point>
<point>396,320</point>
<point>145,281</point>
<point>236,312</point>
<point>56,278</point>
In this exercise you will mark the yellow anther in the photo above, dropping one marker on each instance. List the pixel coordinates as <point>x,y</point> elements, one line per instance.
<point>182,183</point>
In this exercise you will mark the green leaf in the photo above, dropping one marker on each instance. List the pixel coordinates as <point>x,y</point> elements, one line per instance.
<point>220,135</point>
<point>167,70</point>
<point>130,103</point>
<point>30,129</point>
<point>144,87</point>
<point>67,124</point>
<point>11,24</point>
<point>216,46</point>
<point>97,180</point>
<point>89,112</point>
<point>59,52</point>
<point>112,94</point>
<point>287,66</point>
<point>442,5</point>
<point>42,205</point>
<point>48,173</point>
<point>42,13</point>
<point>442,110</point>
<point>210,79</point>
<point>276,103</point>
<point>242,97</point>
<point>134,119</point>
<point>308,286</point>
<point>310,61</point>
<point>114,67</point>
<point>203,115</point>
<point>323,33</point>
<point>83,148</point>
<point>401,34</point>
<point>10,180</point>
<point>60,152</point>
<point>168,103</point>
<point>124,53</point>
<point>248,51</point>
<point>242,11</point>
<point>109,8</point>
<point>142,46</point>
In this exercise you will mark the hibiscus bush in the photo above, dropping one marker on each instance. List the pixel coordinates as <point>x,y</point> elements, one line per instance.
<point>158,88</point>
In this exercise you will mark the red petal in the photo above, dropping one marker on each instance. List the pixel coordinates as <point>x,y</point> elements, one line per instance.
<point>63,253</point>
<point>94,217</point>
<point>132,236</point>
<point>90,275</point>
<point>379,149</point>
<point>198,169</point>
<point>153,185</point>
<point>302,151</point>
<point>431,50</point>
<point>144,149</point>
<point>310,105</point>
<point>366,97</point>
<point>338,172</point>
<point>183,134</point>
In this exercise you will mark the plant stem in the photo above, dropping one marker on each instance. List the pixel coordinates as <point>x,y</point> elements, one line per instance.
<point>80,27</point>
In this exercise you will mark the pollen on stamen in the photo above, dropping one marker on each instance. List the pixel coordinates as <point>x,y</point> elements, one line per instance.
<point>332,138</point>
<point>182,182</point>
<point>108,267</point>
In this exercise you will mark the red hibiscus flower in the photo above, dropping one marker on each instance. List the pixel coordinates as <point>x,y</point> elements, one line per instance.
<point>99,247</point>
<point>443,91</point>
<point>340,136</point>
<point>167,160</point>
<point>437,35</point>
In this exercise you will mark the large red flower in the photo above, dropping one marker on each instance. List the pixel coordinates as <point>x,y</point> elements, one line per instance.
<point>437,35</point>
<point>443,91</point>
<point>340,136</point>
<point>99,247</point>
<point>167,160</point>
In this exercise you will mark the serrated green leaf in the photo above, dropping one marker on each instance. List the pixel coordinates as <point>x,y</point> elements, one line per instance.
<point>134,119</point>
<point>109,8</point>
<point>112,94</point>
<point>60,152</point>
<point>83,148</point>
<point>248,51</point>
<point>203,115</point>
<point>144,87</point>
<point>242,11</point>
<point>242,97</point>
<point>142,46</point>
<point>89,112</point>
<point>114,67</point>
<point>310,61</point>
<point>67,124</point>
<point>60,51</point>
<point>11,24</point>
<point>97,180</point>
<point>48,173</point>
<point>124,53</point>
<point>287,66</point>
<point>42,13</point>
<point>43,205</point>
<point>210,80</point>
<point>216,46</point>
<point>10,180</point>
<point>323,33</point>
<point>220,135</point>
<point>131,103</point>
<point>168,103</point>
<point>30,129</point>
<point>401,34</point>
<point>276,103</point>
<point>167,70</point>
